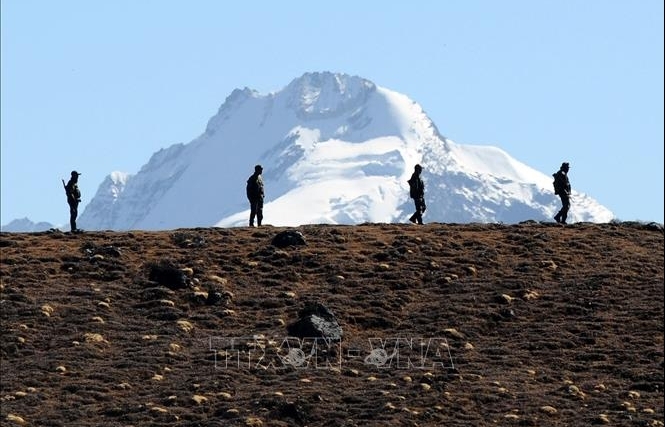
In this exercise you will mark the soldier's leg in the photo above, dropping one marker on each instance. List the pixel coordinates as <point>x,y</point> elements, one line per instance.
<point>259,212</point>
<point>557,217</point>
<point>73,213</point>
<point>414,217</point>
<point>420,208</point>
<point>565,200</point>
<point>252,212</point>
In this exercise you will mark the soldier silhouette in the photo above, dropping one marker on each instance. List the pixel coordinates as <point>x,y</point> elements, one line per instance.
<point>255,196</point>
<point>73,199</point>
<point>417,193</point>
<point>562,188</point>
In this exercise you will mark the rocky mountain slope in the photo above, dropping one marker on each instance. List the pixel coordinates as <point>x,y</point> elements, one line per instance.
<point>530,324</point>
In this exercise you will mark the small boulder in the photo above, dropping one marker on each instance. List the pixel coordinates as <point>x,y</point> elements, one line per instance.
<point>316,321</point>
<point>167,275</point>
<point>289,238</point>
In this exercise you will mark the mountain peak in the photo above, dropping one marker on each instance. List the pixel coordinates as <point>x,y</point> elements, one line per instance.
<point>324,94</point>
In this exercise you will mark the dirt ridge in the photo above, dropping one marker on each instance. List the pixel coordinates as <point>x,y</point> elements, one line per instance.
<point>530,324</point>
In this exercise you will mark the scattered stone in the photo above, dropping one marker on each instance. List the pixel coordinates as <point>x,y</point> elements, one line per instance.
<point>453,333</point>
<point>253,422</point>
<point>168,275</point>
<point>575,391</point>
<point>185,325</point>
<point>15,419</point>
<point>289,238</point>
<point>634,394</point>
<point>47,310</point>
<point>94,252</point>
<point>628,406</point>
<point>603,419</point>
<point>316,321</point>
<point>216,297</point>
<point>548,409</point>
<point>217,279</point>
<point>200,400</point>
<point>529,295</point>
<point>94,338</point>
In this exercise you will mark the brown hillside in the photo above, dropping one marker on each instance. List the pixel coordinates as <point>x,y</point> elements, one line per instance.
<point>457,325</point>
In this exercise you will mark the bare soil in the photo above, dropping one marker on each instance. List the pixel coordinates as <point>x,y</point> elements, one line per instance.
<point>532,324</point>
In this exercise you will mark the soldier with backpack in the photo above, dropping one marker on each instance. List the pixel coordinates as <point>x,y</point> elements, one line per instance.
<point>255,196</point>
<point>73,199</point>
<point>562,189</point>
<point>417,193</point>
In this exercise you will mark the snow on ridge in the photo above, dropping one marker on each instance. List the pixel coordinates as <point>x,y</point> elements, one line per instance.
<point>496,162</point>
<point>119,177</point>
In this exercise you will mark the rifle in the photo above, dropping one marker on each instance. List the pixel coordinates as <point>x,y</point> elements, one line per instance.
<point>66,191</point>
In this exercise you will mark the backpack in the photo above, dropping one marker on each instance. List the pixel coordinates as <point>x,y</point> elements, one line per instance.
<point>413,190</point>
<point>558,182</point>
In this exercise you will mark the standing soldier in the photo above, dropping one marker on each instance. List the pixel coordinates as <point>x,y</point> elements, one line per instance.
<point>562,188</point>
<point>417,193</point>
<point>73,199</point>
<point>255,196</point>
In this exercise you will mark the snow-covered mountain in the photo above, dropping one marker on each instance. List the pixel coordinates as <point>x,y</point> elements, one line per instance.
<point>335,149</point>
<point>25,225</point>
<point>102,211</point>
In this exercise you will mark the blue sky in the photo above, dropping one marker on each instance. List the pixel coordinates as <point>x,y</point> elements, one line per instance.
<point>99,86</point>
